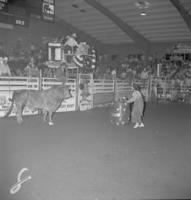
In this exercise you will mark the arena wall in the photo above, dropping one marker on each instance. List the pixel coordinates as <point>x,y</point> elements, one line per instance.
<point>97,92</point>
<point>102,99</point>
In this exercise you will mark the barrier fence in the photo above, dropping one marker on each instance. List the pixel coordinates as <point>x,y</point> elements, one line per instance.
<point>97,92</point>
<point>167,90</point>
<point>103,91</point>
<point>10,84</point>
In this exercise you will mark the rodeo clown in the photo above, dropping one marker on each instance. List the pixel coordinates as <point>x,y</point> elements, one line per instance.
<point>138,107</point>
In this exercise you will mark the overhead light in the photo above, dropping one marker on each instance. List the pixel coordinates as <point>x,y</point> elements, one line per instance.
<point>143,13</point>
<point>142,4</point>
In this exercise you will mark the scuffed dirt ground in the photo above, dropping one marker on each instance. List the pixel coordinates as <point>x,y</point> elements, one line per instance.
<point>84,157</point>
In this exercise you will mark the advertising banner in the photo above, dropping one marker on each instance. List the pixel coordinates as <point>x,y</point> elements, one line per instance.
<point>69,104</point>
<point>48,10</point>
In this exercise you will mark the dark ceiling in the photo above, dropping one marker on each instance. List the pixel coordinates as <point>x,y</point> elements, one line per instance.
<point>120,21</point>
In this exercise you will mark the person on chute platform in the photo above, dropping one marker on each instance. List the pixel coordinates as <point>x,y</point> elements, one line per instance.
<point>60,73</point>
<point>138,107</point>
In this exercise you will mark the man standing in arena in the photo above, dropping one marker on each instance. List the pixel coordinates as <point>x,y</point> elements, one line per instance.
<point>138,107</point>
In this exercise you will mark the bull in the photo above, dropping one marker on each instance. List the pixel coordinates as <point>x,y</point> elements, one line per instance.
<point>46,100</point>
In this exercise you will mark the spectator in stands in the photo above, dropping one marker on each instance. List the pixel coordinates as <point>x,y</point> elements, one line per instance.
<point>138,107</point>
<point>188,81</point>
<point>129,75</point>
<point>46,72</point>
<point>31,68</point>
<point>107,74</point>
<point>60,73</point>
<point>32,50</point>
<point>19,72</point>
<point>144,74</point>
<point>4,67</point>
<point>134,70</point>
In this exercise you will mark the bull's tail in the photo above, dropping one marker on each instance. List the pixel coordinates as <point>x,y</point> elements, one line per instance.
<point>11,107</point>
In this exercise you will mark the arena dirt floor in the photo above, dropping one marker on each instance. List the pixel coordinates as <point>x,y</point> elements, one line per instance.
<point>84,157</point>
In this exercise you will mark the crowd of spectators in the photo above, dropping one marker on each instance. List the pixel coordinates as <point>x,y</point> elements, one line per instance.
<point>24,62</point>
<point>178,71</point>
<point>31,62</point>
<point>128,68</point>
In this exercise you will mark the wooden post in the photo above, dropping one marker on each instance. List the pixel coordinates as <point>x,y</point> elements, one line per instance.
<point>114,85</point>
<point>40,80</point>
<point>77,90</point>
<point>150,87</point>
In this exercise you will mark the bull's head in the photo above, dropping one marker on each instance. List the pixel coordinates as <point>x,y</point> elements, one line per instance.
<point>61,92</point>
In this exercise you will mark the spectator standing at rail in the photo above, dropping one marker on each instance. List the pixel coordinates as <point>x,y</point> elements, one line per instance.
<point>129,75</point>
<point>144,74</point>
<point>61,73</point>
<point>31,69</point>
<point>138,107</point>
<point>4,67</point>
